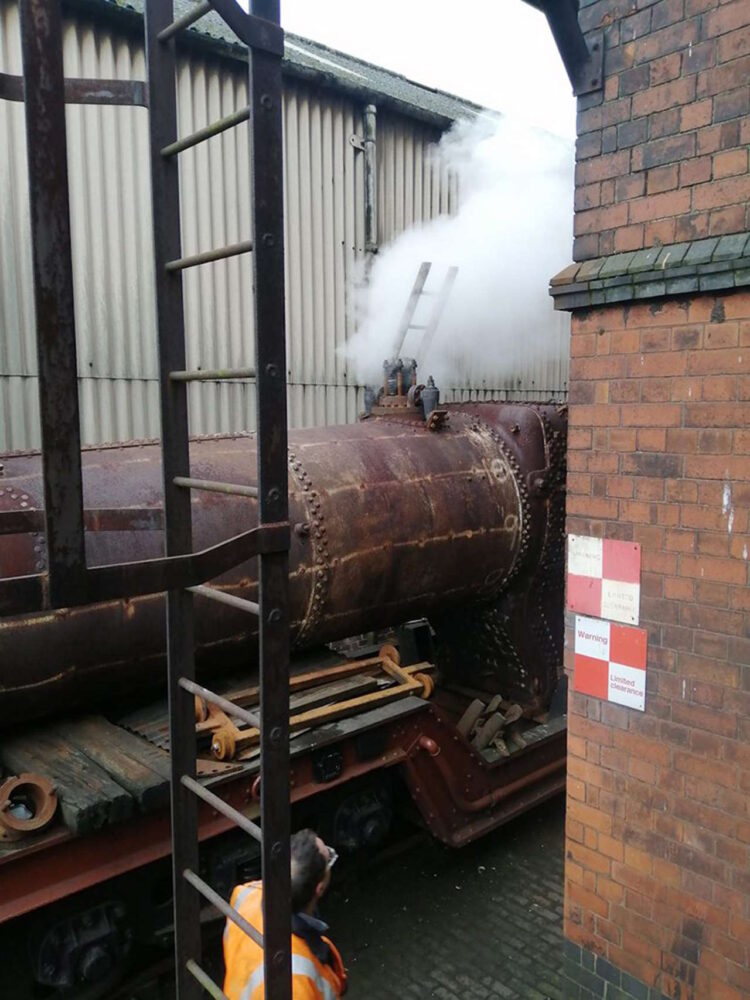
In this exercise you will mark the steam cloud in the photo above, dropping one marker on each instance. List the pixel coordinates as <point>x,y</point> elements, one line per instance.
<point>513,231</point>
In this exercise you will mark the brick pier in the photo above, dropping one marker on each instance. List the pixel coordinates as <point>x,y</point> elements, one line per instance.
<point>657,891</point>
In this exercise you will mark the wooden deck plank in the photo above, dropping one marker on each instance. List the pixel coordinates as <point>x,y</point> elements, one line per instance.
<point>89,798</point>
<point>131,761</point>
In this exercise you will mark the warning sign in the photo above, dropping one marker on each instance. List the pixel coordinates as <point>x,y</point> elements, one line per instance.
<point>604,578</point>
<point>610,662</point>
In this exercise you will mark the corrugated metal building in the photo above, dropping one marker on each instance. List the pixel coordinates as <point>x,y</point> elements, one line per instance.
<point>324,101</point>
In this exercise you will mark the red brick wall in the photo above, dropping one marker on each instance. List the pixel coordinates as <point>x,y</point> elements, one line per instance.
<point>662,153</point>
<point>658,836</point>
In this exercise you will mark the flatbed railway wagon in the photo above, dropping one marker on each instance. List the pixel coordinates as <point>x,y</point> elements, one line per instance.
<point>446,542</point>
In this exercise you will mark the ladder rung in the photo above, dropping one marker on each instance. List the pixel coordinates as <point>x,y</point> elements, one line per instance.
<point>207,132</point>
<point>212,374</point>
<point>234,602</point>
<point>221,806</point>
<point>229,911</point>
<point>195,14</point>
<point>205,980</point>
<point>212,698</point>
<point>214,487</point>
<point>208,255</point>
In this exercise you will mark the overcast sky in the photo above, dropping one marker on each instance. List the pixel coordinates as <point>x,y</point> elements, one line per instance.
<point>498,53</point>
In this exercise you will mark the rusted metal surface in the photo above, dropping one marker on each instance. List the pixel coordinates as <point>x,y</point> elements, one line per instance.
<point>398,523</point>
<point>228,740</point>
<point>264,36</point>
<point>46,145</point>
<point>27,805</point>
<point>78,91</point>
<point>18,522</point>
<point>459,794</point>
<point>130,579</point>
<point>513,645</point>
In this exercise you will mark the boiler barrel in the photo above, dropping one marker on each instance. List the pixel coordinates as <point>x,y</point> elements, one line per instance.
<point>389,521</point>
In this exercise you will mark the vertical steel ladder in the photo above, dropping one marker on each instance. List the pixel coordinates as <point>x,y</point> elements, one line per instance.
<point>69,581</point>
<point>261,32</point>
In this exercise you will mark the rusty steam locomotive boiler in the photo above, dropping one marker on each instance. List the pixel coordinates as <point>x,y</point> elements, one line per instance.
<point>458,518</point>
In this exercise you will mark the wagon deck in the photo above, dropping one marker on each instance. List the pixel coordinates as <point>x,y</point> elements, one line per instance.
<point>107,771</point>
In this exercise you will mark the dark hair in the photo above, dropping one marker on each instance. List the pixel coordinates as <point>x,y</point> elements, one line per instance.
<point>308,868</point>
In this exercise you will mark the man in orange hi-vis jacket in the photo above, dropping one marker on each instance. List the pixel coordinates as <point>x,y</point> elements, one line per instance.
<point>317,970</point>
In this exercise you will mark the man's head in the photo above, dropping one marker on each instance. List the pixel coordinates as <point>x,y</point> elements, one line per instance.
<point>310,870</point>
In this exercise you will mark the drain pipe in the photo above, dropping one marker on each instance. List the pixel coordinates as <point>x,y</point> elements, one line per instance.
<point>371,204</point>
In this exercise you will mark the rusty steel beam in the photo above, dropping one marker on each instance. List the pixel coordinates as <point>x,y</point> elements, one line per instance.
<point>19,522</point>
<point>149,576</point>
<point>85,91</point>
<point>47,158</point>
<point>583,61</point>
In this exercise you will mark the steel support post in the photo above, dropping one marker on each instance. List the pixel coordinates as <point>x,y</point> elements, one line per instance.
<point>165,191</point>
<point>268,239</point>
<point>41,40</point>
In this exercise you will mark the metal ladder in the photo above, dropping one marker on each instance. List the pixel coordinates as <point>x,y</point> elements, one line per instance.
<point>407,319</point>
<point>69,581</point>
<point>261,32</point>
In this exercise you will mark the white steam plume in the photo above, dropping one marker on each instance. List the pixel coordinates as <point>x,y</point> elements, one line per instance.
<point>513,231</point>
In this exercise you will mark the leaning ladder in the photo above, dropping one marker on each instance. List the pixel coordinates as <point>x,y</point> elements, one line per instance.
<point>261,32</point>
<point>407,319</point>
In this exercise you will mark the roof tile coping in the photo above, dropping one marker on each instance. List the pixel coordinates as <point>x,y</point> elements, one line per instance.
<point>716,263</point>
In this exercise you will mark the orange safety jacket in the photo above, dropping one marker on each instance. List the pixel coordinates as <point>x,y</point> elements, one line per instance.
<point>243,958</point>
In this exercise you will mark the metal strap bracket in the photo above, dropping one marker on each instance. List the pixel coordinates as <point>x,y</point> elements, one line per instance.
<point>85,91</point>
<point>255,32</point>
<point>24,594</point>
<point>21,522</point>
<point>584,61</point>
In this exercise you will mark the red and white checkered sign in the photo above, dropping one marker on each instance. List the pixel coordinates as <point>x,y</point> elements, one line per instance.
<point>610,662</point>
<point>604,578</point>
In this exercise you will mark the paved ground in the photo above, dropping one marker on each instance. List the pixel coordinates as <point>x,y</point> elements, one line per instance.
<point>483,923</point>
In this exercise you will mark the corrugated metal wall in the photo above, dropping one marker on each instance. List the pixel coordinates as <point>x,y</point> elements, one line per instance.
<point>410,188</point>
<point>325,212</point>
<point>18,393</point>
<point>111,213</point>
